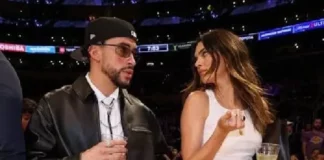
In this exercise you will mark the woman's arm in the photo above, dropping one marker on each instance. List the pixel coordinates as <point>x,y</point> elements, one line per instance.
<point>194,114</point>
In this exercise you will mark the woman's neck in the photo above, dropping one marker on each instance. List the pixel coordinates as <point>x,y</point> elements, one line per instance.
<point>225,93</point>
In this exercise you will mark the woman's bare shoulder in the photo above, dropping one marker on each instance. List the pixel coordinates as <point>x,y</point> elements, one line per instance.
<point>197,103</point>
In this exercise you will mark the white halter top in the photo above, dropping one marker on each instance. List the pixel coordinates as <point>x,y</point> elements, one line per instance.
<point>235,146</point>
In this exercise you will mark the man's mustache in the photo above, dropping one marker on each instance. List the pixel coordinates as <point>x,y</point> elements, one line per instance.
<point>127,68</point>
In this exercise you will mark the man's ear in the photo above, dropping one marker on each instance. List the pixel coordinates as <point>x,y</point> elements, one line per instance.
<point>94,53</point>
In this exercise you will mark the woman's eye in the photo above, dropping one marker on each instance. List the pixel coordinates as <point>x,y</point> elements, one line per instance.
<point>204,54</point>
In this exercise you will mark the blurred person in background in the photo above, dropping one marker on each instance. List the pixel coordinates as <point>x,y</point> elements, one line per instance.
<point>176,155</point>
<point>307,127</point>
<point>314,154</point>
<point>294,142</point>
<point>29,106</point>
<point>70,122</point>
<point>12,144</point>
<point>320,155</point>
<point>312,139</point>
<point>225,112</point>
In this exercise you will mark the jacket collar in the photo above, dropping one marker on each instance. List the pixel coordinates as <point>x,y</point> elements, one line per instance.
<point>83,90</point>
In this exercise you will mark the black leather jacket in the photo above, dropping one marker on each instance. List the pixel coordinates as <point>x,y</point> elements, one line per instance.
<point>66,123</point>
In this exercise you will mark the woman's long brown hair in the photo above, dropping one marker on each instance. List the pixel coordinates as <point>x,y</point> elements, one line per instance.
<point>243,76</point>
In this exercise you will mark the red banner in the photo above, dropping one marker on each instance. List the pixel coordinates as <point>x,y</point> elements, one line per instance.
<point>12,47</point>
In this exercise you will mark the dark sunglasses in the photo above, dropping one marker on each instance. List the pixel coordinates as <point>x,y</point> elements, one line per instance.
<point>123,50</point>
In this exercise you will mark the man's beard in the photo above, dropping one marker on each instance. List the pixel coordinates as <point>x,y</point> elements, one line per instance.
<point>317,128</point>
<point>114,75</point>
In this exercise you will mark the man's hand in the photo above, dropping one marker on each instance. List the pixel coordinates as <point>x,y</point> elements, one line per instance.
<point>115,151</point>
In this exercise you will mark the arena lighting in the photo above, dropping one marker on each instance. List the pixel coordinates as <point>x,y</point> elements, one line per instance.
<point>156,48</point>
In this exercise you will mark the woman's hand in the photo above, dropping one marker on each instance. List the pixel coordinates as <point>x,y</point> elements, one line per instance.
<point>231,120</point>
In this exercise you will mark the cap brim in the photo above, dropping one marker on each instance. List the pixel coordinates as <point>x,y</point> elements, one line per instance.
<point>78,55</point>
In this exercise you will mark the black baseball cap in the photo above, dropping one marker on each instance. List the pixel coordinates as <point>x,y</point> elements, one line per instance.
<point>101,30</point>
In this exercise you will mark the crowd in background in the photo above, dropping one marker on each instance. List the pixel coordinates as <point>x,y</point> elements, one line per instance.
<point>307,142</point>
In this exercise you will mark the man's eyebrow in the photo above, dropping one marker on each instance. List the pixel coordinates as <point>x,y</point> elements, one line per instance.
<point>126,44</point>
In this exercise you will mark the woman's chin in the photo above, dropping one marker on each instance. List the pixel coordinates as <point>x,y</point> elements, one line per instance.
<point>203,82</point>
<point>206,81</point>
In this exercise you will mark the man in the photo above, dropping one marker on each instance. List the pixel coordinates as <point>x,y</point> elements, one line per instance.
<point>69,122</point>
<point>12,145</point>
<point>294,142</point>
<point>320,156</point>
<point>29,107</point>
<point>313,139</point>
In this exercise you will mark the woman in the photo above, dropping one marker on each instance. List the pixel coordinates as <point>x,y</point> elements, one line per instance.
<point>225,113</point>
